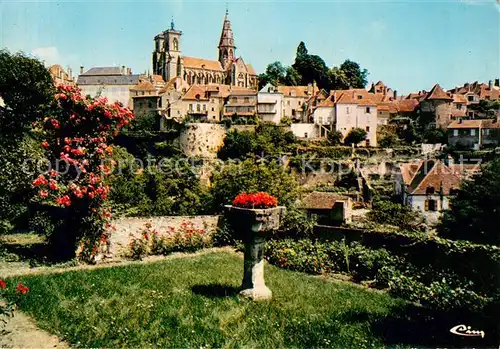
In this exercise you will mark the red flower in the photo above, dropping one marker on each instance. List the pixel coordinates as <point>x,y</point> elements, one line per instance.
<point>40,180</point>
<point>21,289</point>
<point>43,193</point>
<point>53,185</point>
<point>45,144</point>
<point>2,284</point>
<point>255,200</point>
<point>63,200</point>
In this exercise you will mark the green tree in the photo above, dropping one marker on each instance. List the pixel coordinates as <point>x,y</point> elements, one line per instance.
<point>355,136</point>
<point>356,76</point>
<point>26,89</point>
<point>311,68</point>
<point>292,77</point>
<point>436,135</point>
<point>475,210</point>
<point>335,137</point>
<point>338,79</point>
<point>251,176</point>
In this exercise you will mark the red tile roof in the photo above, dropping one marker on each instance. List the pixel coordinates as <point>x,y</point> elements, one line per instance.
<point>250,69</point>
<point>465,124</point>
<point>143,86</point>
<point>321,200</point>
<point>200,63</point>
<point>438,93</point>
<point>491,123</point>
<point>440,177</point>
<point>195,92</point>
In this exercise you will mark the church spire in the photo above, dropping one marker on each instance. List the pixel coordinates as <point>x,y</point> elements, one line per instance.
<point>226,42</point>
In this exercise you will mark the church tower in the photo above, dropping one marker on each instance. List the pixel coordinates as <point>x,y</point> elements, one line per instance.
<point>167,55</point>
<point>226,43</point>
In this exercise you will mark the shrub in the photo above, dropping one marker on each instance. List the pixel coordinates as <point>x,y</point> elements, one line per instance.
<point>386,212</point>
<point>335,137</point>
<point>355,136</point>
<point>8,307</point>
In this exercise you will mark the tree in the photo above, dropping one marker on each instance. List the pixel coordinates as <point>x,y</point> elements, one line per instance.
<point>355,136</point>
<point>475,210</point>
<point>387,136</point>
<point>76,132</point>
<point>311,68</point>
<point>27,90</point>
<point>335,137</point>
<point>338,79</point>
<point>292,77</point>
<point>436,135</point>
<point>250,176</point>
<point>356,77</point>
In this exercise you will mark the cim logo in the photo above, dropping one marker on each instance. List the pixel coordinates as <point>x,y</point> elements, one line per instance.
<point>463,330</point>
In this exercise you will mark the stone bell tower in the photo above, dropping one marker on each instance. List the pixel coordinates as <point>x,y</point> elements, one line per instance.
<point>226,43</point>
<point>167,54</point>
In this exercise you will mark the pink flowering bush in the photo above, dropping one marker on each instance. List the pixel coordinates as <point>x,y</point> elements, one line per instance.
<point>76,132</point>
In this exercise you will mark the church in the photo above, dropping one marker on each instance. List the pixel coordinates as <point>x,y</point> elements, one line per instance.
<point>227,70</point>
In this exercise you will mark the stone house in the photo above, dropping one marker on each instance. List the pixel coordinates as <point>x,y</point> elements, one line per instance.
<point>205,102</point>
<point>270,104</point>
<point>344,110</point>
<point>295,99</point>
<point>388,109</point>
<point>474,134</point>
<point>428,185</point>
<point>465,133</point>
<point>228,69</point>
<point>437,107</point>
<point>114,83</point>
<point>241,102</point>
<point>145,99</point>
<point>327,208</point>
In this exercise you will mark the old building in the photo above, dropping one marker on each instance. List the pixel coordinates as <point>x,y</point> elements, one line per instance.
<point>436,108</point>
<point>114,83</point>
<point>241,102</point>
<point>344,110</point>
<point>295,99</point>
<point>474,134</point>
<point>61,76</point>
<point>427,185</point>
<point>205,102</point>
<point>145,98</point>
<point>270,104</point>
<point>327,208</point>
<point>229,69</point>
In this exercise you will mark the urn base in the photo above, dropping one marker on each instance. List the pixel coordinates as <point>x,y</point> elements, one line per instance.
<point>261,293</point>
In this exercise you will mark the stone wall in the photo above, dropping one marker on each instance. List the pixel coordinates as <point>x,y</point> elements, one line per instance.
<point>130,228</point>
<point>202,140</point>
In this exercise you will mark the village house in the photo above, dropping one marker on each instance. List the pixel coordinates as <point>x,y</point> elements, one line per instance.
<point>270,104</point>
<point>388,110</point>
<point>475,92</point>
<point>241,102</point>
<point>428,185</point>
<point>474,134</point>
<point>145,98</point>
<point>205,102</point>
<point>345,110</point>
<point>114,83</point>
<point>169,62</point>
<point>295,99</point>
<point>327,208</point>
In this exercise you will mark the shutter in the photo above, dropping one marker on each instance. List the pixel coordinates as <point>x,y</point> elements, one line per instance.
<point>426,205</point>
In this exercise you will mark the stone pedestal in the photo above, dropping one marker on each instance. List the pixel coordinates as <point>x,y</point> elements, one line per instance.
<point>253,226</point>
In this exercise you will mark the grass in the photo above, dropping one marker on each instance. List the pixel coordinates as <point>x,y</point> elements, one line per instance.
<point>193,302</point>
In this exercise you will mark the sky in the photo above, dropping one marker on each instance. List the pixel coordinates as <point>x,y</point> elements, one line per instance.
<point>410,45</point>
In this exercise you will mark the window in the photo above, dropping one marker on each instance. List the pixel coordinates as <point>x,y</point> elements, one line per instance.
<point>430,190</point>
<point>247,100</point>
<point>368,110</point>
<point>213,109</point>
<point>453,191</point>
<point>204,107</point>
<point>472,132</point>
<point>293,112</point>
<point>288,103</point>
<point>470,98</point>
<point>175,45</point>
<point>198,107</point>
<point>159,103</point>
<point>360,97</point>
<point>430,205</point>
<point>190,107</point>
<point>471,114</point>
<point>367,142</point>
<point>367,128</point>
<point>459,106</point>
<point>347,110</point>
<point>305,134</point>
<point>234,99</point>
<point>455,133</point>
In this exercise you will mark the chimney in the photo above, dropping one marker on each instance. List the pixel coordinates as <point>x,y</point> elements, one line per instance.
<point>123,70</point>
<point>395,94</point>
<point>490,85</point>
<point>81,69</point>
<point>70,74</point>
<point>497,82</point>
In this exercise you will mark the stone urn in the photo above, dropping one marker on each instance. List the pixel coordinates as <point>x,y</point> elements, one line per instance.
<point>253,226</point>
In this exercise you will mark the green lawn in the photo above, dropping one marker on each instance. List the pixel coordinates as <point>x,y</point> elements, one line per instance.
<point>193,302</point>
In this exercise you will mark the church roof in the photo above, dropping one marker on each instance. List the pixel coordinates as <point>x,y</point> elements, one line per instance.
<point>200,63</point>
<point>103,71</point>
<point>226,37</point>
<point>250,70</point>
<point>195,92</point>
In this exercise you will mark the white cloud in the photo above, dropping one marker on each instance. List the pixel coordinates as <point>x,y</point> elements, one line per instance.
<point>49,55</point>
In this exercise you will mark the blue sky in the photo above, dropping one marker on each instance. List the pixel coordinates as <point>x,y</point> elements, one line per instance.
<point>410,45</point>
